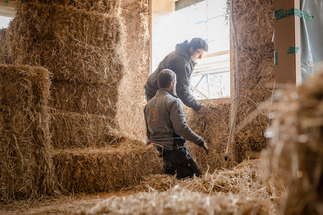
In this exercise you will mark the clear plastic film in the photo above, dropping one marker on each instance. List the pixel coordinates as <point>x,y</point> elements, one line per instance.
<point>311,38</point>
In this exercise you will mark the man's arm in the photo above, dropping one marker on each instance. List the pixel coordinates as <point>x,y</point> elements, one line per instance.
<point>147,130</point>
<point>179,123</point>
<point>182,87</point>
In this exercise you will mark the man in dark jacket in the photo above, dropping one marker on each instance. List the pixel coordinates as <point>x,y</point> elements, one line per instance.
<point>182,62</point>
<point>167,128</point>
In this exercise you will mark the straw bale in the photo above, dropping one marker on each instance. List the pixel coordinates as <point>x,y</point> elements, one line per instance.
<point>75,130</point>
<point>75,45</point>
<point>254,27</point>
<point>213,127</point>
<point>296,152</point>
<point>75,62</point>
<point>180,201</point>
<point>98,6</point>
<point>105,169</point>
<point>25,162</point>
<point>84,98</point>
<point>66,24</point>
<point>130,117</point>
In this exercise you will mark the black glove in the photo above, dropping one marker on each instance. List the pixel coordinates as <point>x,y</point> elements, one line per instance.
<point>205,147</point>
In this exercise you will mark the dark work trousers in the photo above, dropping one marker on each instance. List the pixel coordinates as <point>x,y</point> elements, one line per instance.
<point>180,162</point>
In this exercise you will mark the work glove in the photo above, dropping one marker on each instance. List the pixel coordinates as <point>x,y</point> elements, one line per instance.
<point>205,147</point>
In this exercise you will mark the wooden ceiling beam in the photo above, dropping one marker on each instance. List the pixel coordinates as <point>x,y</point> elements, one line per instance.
<point>7,10</point>
<point>180,4</point>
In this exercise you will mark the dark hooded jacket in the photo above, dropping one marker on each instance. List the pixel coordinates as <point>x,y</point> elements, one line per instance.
<point>181,63</point>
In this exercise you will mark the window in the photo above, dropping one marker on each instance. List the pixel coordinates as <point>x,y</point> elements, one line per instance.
<point>4,21</point>
<point>211,76</point>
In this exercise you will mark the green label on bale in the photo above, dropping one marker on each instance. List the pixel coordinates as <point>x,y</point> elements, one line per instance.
<point>280,14</point>
<point>293,50</point>
<point>276,58</point>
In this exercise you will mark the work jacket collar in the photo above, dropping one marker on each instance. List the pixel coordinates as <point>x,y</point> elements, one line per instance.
<point>164,92</point>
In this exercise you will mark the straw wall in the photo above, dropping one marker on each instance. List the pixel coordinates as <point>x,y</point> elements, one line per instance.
<point>25,163</point>
<point>254,26</point>
<point>131,95</point>
<point>296,152</point>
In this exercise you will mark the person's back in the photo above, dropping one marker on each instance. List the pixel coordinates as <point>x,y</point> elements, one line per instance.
<point>165,117</point>
<point>178,61</point>
<point>167,128</point>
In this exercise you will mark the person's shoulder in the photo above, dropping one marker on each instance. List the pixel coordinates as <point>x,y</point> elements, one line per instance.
<point>172,99</point>
<point>149,103</point>
<point>175,56</point>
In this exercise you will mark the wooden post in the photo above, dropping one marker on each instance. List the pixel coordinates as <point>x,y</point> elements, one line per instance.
<point>287,42</point>
<point>7,8</point>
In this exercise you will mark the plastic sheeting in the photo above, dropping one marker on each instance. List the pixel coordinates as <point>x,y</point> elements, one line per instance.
<point>311,38</point>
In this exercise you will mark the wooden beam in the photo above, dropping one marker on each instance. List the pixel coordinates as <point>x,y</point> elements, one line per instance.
<point>287,42</point>
<point>216,54</point>
<point>185,3</point>
<point>7,10</point>
<point>160,7</point>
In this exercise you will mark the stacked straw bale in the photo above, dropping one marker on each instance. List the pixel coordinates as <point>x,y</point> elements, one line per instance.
<point>76,45</point>
<point>296,152</point>
<point>213,126</point>
<point>256,66</point>
<point>80,43</point>
<point>105,169</point>
<point>130,117</point>
<point>26,168</point>
<point>180,201</point>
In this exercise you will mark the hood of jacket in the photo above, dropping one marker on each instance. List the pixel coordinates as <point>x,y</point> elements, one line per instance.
<point>183,50</point>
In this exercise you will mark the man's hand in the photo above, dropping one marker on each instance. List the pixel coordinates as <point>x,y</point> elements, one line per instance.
<point>205,147</point>
<point>202,109</point>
